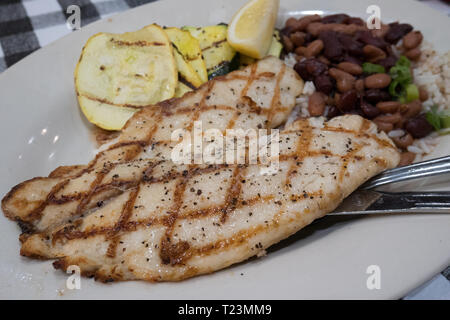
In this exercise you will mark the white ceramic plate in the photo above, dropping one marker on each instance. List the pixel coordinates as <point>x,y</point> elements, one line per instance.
<point>42,128</point>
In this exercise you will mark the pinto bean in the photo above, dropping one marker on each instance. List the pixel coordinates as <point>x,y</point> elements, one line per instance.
<point>315,28</point>
<point>298,38</point>
<point>413,54</point>
<point>303,22</point>
<point>316,104</point>
<point>377,81</point>
<point>423,93</point>
<point>410,110</point>
<point>389,118</point>
<point>373,54</point>
<point>406,158</point>
<point>291,22</point>
<point>300,51</point>
<point>412,40</point>
<point>351,68</point>
<point>359,85</point>
<point>324,60</point>
<point>383,126</point>
<point>404,141</point>
<point>344,81</point>
<point>336,18</point>
<point>314,48</point>
<point>388,106</point>
<point>288,45</point>
<point>292,25</point>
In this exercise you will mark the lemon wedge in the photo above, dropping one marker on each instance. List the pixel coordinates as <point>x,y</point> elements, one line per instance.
<point>251,29</point>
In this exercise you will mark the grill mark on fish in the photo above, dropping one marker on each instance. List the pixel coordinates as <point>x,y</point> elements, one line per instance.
<point>233,193</point>
<point>37,213</point>
<point>301,150</point>
<point>276,96</point>
<point>123,219</point>
<point>172,253</point>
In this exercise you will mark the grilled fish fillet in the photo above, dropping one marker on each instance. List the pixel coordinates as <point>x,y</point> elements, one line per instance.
<point>182,221</point>
<point>259,96</point>
<point>134,214</point>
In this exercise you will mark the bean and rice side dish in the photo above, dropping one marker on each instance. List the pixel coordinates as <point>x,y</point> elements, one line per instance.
<point>390,75</point>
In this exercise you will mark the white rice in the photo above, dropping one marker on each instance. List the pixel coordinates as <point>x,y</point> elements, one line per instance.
<point>396,133</point>
<point>432,71</point>
<point>301,107</point>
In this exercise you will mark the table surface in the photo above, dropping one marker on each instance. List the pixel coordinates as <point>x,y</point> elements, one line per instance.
<point>28,25</point>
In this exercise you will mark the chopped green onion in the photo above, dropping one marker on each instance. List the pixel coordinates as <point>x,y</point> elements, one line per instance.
<point>372,68</point>
<point>439,120</point>
<point>401,78</point>
<point>445,120</point>
<point>412,92</point>
<point>393,88</point>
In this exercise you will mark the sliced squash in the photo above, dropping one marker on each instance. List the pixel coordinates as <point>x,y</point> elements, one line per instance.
<point>119,73</point>
<point>189,48</point>
<point>220,58</point>
<point>181,89</point>
<point>275,46</point>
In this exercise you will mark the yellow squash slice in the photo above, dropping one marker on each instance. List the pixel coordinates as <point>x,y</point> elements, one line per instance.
<point>182,43</point>
<point>189,48</point>
<point>117,74</point>
<point>216,51</point>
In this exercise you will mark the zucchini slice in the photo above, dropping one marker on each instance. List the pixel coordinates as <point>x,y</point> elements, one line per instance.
<point>189,48</point>
<point>220,58</point>
<point>275,46</point>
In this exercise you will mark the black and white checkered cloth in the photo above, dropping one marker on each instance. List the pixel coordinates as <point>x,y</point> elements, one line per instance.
<point>27,25</point>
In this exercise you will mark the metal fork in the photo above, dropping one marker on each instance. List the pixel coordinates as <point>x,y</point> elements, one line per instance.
<point>367,201</point>
<point>417,170</point>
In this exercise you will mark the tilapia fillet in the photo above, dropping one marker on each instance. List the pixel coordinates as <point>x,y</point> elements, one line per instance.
<point>259,96</point>
<point>180,221</point>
